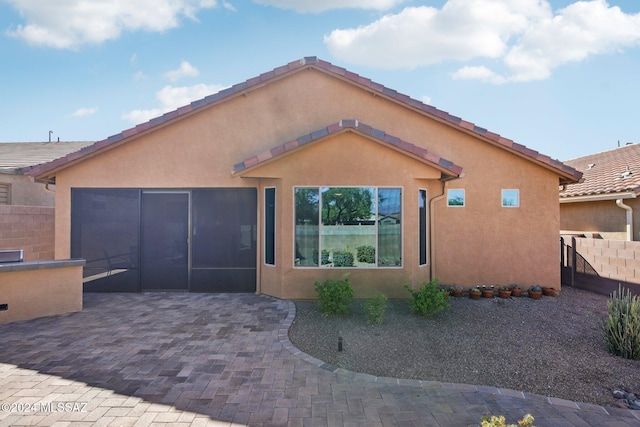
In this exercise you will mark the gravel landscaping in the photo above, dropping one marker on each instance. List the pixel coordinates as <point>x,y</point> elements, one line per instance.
<point>552,346</point>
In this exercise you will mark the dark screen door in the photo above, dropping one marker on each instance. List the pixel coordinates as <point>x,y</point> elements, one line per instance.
<point>164,260</point>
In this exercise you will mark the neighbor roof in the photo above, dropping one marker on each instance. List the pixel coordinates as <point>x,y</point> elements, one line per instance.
<point>18,155</point>
<point>610,172</point>
<point>566,174</point>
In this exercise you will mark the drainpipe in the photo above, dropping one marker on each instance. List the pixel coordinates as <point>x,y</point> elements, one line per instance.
<point>620,204</point>
<point>432,222</point>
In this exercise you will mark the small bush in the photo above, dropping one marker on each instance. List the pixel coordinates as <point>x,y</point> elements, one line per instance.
<point>342,259</point>
<point>366,253</point>
<point>334,296</point>
<point>622,326</point>
<point>526,421</point>
<point>428,300</point>
<point>376,307</point>
<point>325,257</point>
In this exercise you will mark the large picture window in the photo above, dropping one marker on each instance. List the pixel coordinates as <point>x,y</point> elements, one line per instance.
<point>348,227</point>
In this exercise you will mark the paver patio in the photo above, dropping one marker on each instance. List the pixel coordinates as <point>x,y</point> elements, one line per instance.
<point>225,360</point>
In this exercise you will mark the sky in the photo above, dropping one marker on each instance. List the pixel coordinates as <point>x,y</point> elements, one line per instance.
<point>559,76</point>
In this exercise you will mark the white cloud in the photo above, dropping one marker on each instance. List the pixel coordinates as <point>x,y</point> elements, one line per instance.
<point>426,99</point>
<point>82,112</point>
<point>69,24</point>
<point>172,97</point>
<point>139,76</point>
<point>524,37</point>
<point>185,70</point>
<point>315,6</point>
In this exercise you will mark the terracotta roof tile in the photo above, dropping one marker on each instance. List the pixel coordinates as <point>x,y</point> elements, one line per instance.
<point>609,172</point>
<point>312,61</point>
<point>444,165</point>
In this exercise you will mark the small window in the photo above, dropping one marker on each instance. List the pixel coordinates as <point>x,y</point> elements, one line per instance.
<point>510,198</point>
<point>455,198</point>
<point>422,239</point>
<point>270,226</point>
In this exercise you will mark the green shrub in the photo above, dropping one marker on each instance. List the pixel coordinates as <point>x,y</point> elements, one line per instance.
<point>342,259</point>
<point>428,300</point>
<point>526,421</point>
<point>334,296</point>
<point>622,326</point>
<point>366,253</point>
<point>376,307</point>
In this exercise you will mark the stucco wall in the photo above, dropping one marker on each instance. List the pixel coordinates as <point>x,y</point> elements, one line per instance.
<point>481,243</point>
<point>30,228</point>
<point>25,192</point>
<point>602,217</point>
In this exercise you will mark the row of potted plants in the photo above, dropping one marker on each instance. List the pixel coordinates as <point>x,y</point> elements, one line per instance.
<point>535,291</point>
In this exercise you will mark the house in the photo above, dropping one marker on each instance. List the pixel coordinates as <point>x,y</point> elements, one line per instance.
<point>301,174</point>
<point>605,203</point>
<point>16,188</point>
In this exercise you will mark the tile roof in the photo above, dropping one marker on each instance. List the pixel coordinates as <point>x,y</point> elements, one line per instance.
<point>18,155</point>
<point>609,172</point>
<point>445,166</point>
<point>565,173</point>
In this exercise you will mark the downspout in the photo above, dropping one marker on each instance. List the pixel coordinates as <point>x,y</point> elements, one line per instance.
<point>629,209</point>
<point>432,222</point>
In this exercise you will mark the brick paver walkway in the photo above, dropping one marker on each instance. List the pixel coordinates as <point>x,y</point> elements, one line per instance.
<point>225,360</point>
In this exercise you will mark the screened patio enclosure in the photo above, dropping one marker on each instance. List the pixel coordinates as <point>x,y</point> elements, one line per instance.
<point>196,240</point>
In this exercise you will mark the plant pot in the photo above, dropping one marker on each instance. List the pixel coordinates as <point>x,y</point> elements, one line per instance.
<point>475,295</point>
<point>516,292</point>
<point>504,294</point>
<point>457,293</point>
<point>550,292</point>
<point>535,295</point>
<point>487,293</point>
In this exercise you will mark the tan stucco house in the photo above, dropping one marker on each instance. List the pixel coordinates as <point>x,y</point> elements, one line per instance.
<point>304,173</point>
<point>605,203</point>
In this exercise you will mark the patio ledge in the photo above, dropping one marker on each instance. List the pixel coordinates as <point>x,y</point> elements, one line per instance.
<point>41,265</point>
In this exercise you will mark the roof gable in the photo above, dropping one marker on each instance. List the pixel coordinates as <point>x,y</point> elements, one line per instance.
<point>609,172</point>
<point>447,168</point>
<point>565,173</point>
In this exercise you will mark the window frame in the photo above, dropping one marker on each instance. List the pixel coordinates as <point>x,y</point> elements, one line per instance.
<point>423,227</point>
<point>450,198</point>
<point>502,198</point>
<point>269,243</point>
<point>319,189</point>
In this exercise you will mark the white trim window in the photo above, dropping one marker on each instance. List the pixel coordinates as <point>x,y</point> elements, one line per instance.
<point>510,198</point>
<point>348,227</point>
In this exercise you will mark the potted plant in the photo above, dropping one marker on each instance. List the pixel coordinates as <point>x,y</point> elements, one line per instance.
<point>547,291</point>
<point>535,292</point>
<point>455,290</point>
<point>487,292</point>
<point>475,293</point>
<point>504,292</point>
<point>516,291</point>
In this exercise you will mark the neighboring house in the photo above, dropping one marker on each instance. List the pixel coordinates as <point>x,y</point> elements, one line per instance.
<point>605,203</point>
<point>16,188</point>
<point>301,174</point>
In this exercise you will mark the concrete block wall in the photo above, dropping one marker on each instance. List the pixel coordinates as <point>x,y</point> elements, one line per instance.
<point>30,228</point>
<point>613,259</point>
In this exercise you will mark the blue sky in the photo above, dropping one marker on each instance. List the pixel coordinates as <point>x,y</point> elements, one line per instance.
<point>561,77</point>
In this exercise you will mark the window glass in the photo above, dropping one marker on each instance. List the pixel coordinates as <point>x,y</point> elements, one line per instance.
<point>306,226</point>
<point>511,198</point>
<point>269,225</point>
<point>389,227</point>
<point>455,197</point>
<point>348,227</point>
<point>422,208</point>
